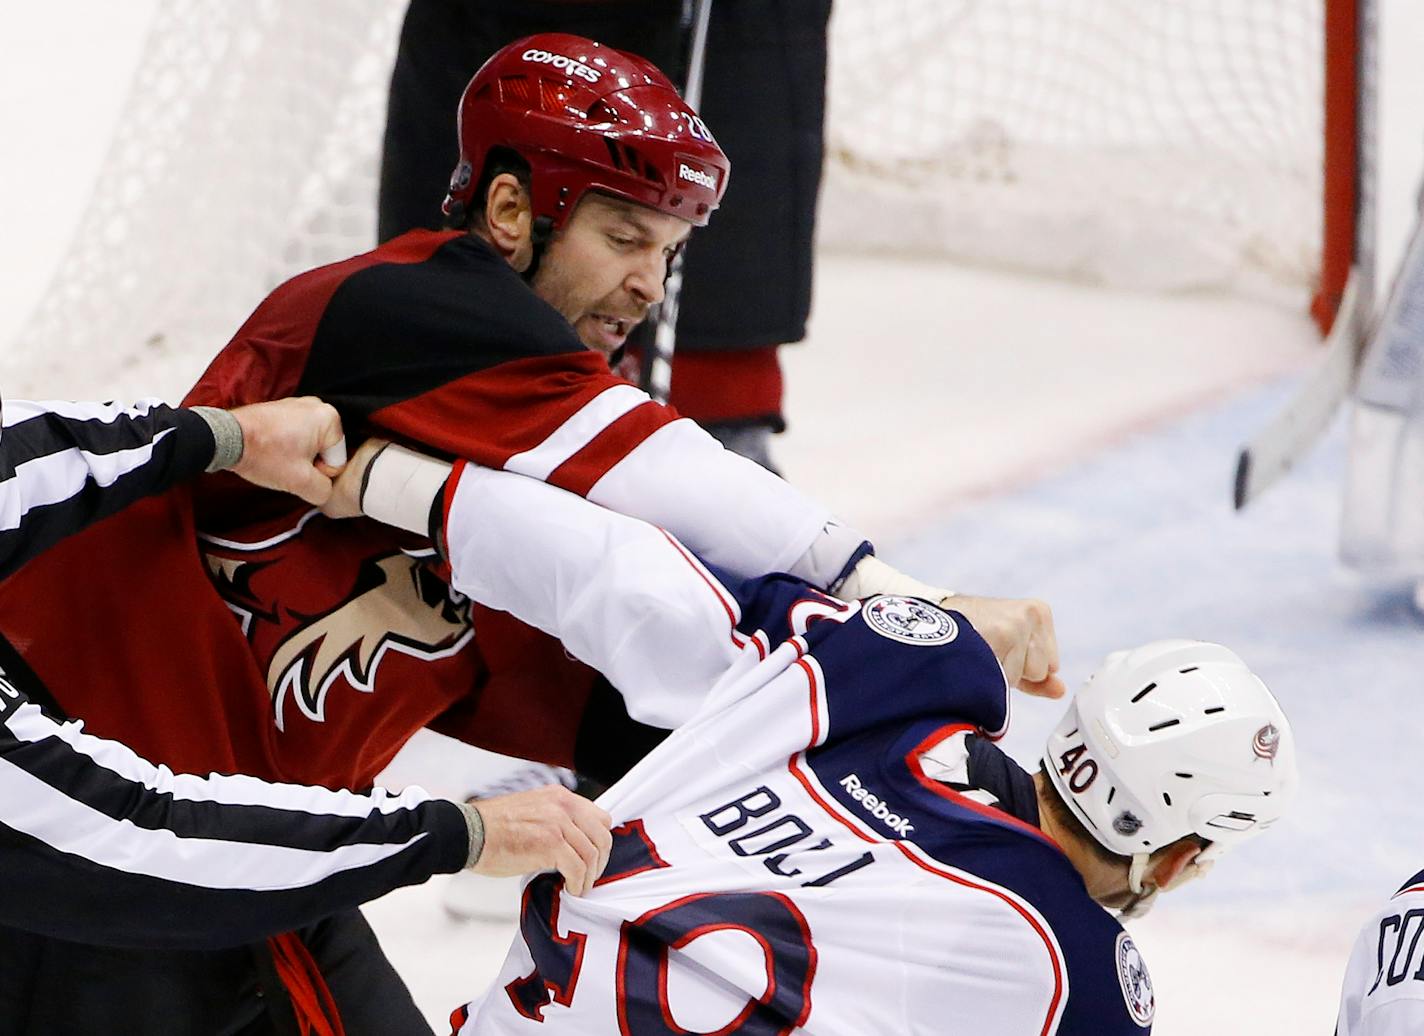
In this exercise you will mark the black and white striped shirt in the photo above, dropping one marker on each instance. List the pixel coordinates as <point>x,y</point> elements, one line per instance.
<point>64,466</point>
<point>100,846</point>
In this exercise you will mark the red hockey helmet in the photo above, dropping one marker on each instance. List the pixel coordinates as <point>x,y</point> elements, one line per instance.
<point>587,117</point>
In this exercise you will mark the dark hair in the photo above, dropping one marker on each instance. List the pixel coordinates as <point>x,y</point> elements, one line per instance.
<point>499,160</point>
<point>1066,819</point>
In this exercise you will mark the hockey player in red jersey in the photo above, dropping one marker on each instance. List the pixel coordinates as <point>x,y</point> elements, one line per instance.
<point>581,173</point>
<point>99,844</point>
<point>830,842</point>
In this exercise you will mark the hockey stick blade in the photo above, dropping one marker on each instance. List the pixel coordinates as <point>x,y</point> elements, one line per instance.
<point>1296,426</point>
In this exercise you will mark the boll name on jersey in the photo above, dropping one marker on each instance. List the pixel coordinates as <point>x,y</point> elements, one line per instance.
<point>697,176</point>
<point>563,64</point>
<point>875,806</point>
<point>756,826</point>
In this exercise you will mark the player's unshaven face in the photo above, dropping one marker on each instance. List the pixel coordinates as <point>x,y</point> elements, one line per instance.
<point>605,268</point>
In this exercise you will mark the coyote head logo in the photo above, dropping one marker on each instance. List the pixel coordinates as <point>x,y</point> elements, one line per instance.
<point>397,605</point>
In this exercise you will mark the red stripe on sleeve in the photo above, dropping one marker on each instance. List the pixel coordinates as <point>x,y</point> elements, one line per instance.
<point>580,472</point>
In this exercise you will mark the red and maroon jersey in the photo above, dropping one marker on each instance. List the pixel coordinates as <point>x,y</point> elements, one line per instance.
<point>347,639</point>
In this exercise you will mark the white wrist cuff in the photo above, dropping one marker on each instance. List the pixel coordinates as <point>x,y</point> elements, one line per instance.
<point>401,486</point>
<point>872,576</point>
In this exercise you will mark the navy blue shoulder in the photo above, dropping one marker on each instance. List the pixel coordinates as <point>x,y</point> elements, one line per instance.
<point>1109,989</point>
<point>877,777</point>
<point>768,602</point>
<point>936,663</point>
<point>900,660</point>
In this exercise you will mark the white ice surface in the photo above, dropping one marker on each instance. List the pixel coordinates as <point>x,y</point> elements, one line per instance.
<point>999,434</point>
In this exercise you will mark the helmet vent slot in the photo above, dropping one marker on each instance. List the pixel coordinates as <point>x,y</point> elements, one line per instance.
<point>516,90</point>
<point>1164,724</point>
<point>1185,776</point>
<point>1143,693</point>
<point>1233,821</point>
<point>1111,792</point>
<point>554,97</point>
<point>1166,798</point>
<point>602,111</point>
<point>1189,669</point>
<point>1213,709</point>
<point>629,159</point>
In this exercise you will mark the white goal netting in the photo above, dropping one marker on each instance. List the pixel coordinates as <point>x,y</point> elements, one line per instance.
<point>1154,143</point>
<point>1158,143</point>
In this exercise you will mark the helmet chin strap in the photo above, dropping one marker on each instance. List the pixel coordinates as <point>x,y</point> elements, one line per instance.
<point>541,231</point>
<point>1143,897</point>
<point>1137,871</point>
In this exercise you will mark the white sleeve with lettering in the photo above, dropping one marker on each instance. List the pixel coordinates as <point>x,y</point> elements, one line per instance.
<point>623,596</point>
<point>730,511</point>
<point>1383,993</point>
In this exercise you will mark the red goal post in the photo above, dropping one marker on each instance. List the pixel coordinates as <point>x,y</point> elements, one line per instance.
<point>1348,165</point>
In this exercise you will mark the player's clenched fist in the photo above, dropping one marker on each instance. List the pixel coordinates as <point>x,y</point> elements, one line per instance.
<point>545,829</point>
<point>294,445</point>
<point>1018,630</point>
<point>1020,633</point>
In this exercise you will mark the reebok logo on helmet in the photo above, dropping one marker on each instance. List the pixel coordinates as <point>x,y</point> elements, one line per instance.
<point>563,64</point>
<point>694,175</point>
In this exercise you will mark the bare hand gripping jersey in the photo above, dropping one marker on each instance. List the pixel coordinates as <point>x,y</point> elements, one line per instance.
<point>1384,981</point>
<point>783,862</point>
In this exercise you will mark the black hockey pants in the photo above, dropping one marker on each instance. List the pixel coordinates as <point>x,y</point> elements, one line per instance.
<point>53,988</point>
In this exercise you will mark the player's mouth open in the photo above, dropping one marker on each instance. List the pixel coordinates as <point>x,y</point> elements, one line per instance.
<point>613,330</point>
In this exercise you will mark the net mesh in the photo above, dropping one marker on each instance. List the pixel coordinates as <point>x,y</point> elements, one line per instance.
<point>1158,143</point>
<point>247,152</point>
<point>1152,143</point>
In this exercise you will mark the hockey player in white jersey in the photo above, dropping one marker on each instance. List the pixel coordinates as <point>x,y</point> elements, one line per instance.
<point>1384,982</point>
<point>830,843</point>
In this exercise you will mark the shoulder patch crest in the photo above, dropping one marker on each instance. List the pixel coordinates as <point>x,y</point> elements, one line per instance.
<point>909,620</point>
<point>1135,981</point>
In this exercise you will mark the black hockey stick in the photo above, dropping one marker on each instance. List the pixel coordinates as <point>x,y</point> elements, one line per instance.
<point>658,347</point>
<point>1275,449</point>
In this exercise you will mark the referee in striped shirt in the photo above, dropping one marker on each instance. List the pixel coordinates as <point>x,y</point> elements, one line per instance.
<point>100,846</point>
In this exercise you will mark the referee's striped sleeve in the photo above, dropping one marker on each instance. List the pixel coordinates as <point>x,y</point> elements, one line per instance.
<point>65,465</point>
<point>99,846</point>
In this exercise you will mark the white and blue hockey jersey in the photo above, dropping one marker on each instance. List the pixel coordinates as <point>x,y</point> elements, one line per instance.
<point>1383,992</point>
<point>783,862</point>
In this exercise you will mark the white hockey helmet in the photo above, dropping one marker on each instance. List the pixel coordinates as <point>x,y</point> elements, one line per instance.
<point>1173,738</point>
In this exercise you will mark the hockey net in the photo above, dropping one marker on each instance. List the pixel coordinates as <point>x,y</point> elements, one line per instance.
<point>1127,142</point>
<point>1156,144</point>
